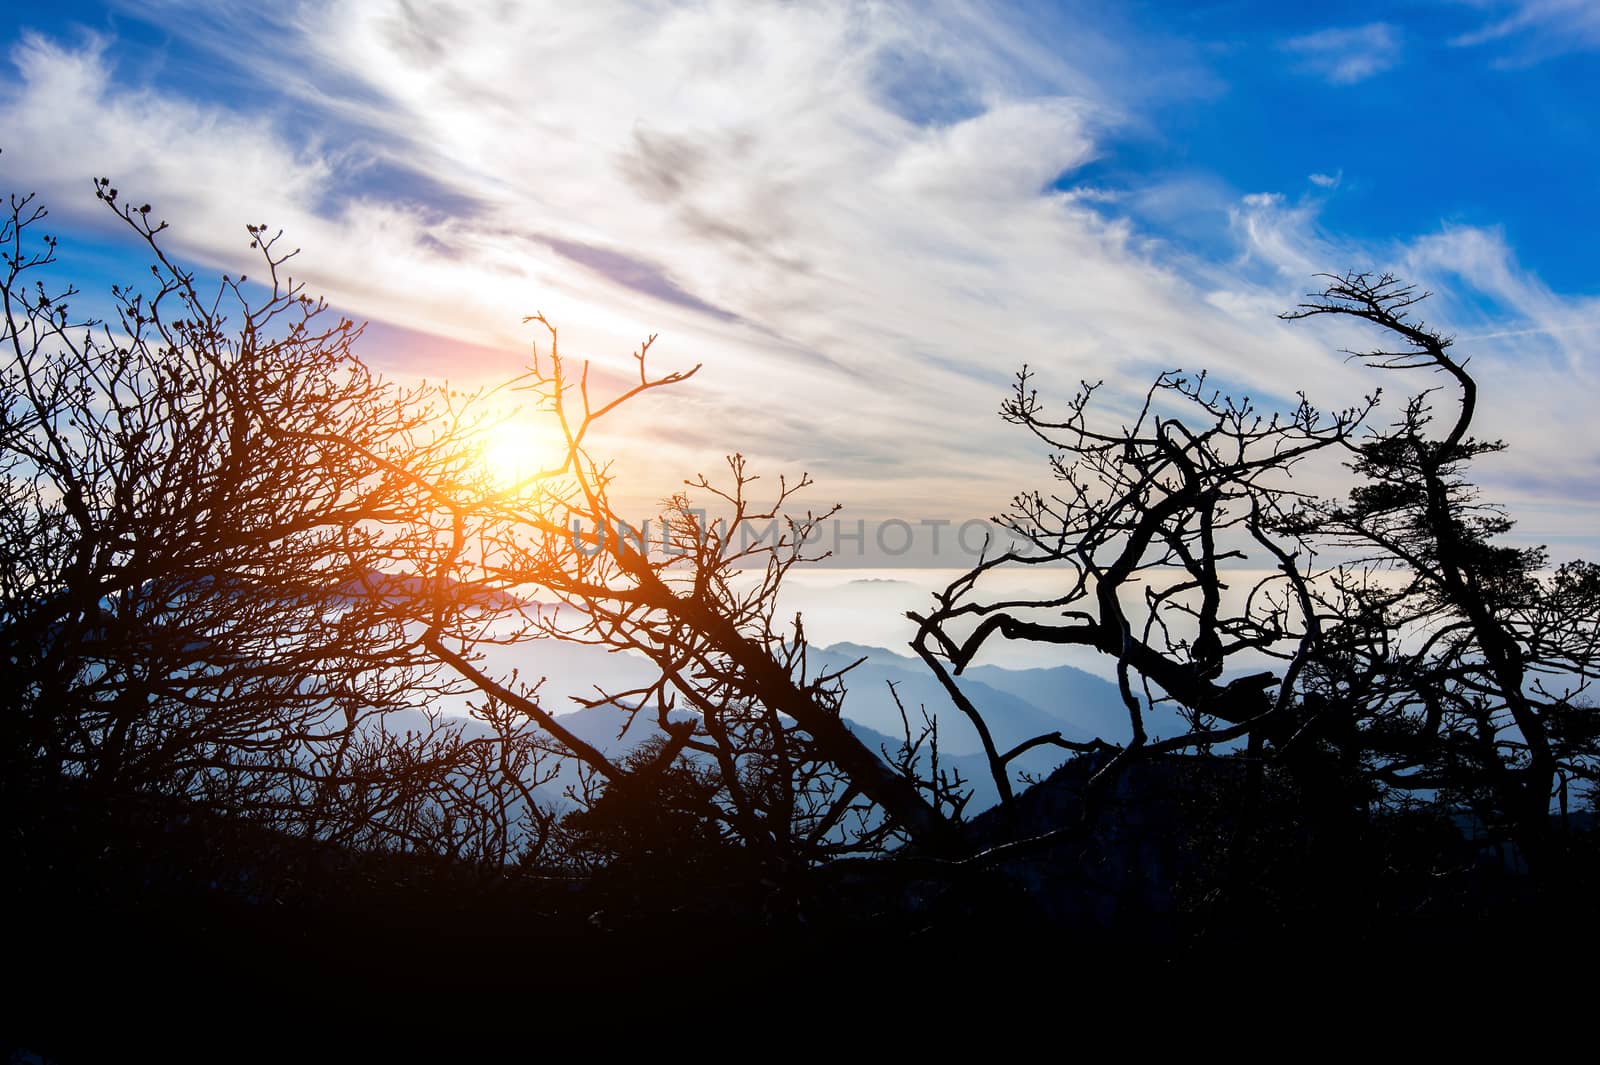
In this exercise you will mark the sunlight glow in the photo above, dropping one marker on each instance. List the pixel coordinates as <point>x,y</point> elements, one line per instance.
<point>516,452</point>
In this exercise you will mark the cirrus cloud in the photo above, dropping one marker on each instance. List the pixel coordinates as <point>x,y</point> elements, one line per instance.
<point>1346,55</point>
<point>765,185</point>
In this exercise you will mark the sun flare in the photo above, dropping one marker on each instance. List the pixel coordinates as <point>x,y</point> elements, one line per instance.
<point>514,453</point>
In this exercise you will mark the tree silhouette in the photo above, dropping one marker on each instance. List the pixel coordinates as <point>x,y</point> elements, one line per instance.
<point>191,530</point>
<point>698,599</point>
<point>237,555</point>
<point>1132,550</point>
<point>1429,660</point>
<point>244,570</point>
<point>1462,666</point>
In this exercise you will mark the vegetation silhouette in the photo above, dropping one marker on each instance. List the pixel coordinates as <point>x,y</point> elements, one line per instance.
<point>244,575</point>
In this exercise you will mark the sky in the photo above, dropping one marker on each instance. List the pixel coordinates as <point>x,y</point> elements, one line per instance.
<point>863,218</point>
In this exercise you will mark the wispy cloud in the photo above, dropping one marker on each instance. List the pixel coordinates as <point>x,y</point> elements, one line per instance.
<point>1346,55</point>
<point>1523,32</point>
<point>860,265</point>
<point>1538,345</point>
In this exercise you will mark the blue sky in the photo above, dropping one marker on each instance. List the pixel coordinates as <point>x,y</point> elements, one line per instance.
<point>862,218</point>
<point>1418,125</point>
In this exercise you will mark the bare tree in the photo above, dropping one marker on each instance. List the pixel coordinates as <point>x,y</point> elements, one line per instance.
<point>236,555</point>
<point>191,536</point>
<point>1426,657</point>
<point>733,688</point>
<point>1131,551</point>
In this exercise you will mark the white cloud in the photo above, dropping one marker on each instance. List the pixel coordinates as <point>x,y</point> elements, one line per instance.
<point>1326,181</point>
<point>859,273</point>
<point>978,159</point>
<point>1531,349</point>
<point>1526,31</point>
<point>1346,55</point>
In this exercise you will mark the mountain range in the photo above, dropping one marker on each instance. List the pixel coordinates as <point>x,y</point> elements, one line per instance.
<point>1017,704</point>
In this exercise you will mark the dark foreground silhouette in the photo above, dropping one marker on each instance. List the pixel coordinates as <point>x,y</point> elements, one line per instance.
<point>140,922</point>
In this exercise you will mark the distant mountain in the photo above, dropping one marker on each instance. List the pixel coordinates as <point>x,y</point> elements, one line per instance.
<point>1017,704</point>
<point>570,669</point>
<point>1090,705</point>
<point>972,768</point>
<point>870,702</point>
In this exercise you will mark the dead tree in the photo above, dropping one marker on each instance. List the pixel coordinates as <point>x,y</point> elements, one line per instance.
<point>1131,552</point>
<point>235,554</point>
<point>190,533</point>
<point>1424,655</point>
<point>696,597</point>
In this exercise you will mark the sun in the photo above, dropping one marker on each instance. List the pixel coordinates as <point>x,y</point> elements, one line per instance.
<point>516,452</point>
